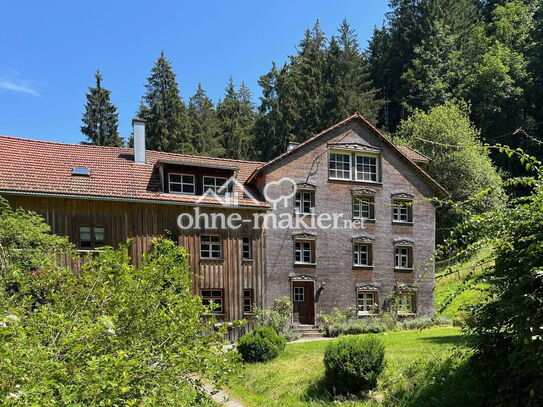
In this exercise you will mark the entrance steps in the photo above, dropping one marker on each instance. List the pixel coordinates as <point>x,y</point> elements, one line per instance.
<point>309,331</point>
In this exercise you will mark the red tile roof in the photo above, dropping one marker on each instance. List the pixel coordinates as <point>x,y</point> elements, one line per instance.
<point>43,167</point>
<point>414,155</point>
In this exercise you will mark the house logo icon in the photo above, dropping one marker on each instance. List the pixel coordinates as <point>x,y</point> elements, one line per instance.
<point>228,194</point>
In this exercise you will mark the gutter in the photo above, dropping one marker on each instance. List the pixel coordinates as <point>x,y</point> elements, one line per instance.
<point>135,200</point>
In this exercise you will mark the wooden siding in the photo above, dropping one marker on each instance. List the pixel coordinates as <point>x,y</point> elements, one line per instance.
<point>142,222</point>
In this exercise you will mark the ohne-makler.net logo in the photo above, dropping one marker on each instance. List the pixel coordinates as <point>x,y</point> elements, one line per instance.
<point>281,196</point>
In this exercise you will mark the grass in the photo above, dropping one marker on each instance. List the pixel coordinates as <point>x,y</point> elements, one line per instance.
<point>450,295</point>
<point>296,377</point>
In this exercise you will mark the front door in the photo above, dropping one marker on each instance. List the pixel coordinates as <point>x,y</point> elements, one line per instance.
<point>304,302</point>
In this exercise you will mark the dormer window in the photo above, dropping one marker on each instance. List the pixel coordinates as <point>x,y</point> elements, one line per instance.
<point>366,168</point>
<point>181,183</point>
<point>214,184</point>
<point>340,166</point>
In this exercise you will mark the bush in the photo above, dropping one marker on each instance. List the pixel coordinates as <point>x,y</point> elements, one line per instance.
<point>353,364</point>
<point>277,318</point>
<point>337,316</point>
<point>260,345</point>
<point>355,327</point>
<point>424,322</point>
<point>291,334</point>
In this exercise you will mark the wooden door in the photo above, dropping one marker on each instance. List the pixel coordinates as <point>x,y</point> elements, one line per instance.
<point>303,302</point>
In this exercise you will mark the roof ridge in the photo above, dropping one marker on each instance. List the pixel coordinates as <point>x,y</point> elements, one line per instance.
<point>129,149</point>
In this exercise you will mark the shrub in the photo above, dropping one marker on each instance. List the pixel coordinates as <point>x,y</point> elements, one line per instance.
<point>277,318</point>
<point>337,316</point>
<point>355,327</point>
<point>424,322</point>
<point>291,334</point>
<point>353,364</point>
<point>260,345</point>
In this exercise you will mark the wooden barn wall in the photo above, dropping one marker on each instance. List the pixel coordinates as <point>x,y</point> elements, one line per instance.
<point>142,222</point>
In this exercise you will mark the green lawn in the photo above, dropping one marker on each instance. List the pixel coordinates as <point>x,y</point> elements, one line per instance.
<point>295,378</point>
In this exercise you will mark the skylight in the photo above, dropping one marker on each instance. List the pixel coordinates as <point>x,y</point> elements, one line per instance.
<point>81,171</point>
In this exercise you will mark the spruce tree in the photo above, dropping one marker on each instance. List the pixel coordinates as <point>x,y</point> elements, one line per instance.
<point>168,127</point>
<point>204,124</point>
<point>236,115</point>
<point>100,119</point>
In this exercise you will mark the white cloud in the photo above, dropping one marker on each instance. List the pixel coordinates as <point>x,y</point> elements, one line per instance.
<point>18,85</point>
<point>11,79</point>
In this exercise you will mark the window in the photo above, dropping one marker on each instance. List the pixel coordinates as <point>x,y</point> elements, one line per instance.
<point>214,184</point>
<point>362,254</point>
<point>181,183</point>
<point>363,207</point>
<point>299,294</point>
<point>402,211</point>
<point>246,248</point>
<point>340,166</point>
<point>213,298</point>
<point>403,257</point>
<point>366,302</point>
<point>210,247</point>
<point>406,303</point>
<point>91,236</point>
<point>366,168</point>
<point>305,202</point>
<point>304,251</point>
<point>248,300</point>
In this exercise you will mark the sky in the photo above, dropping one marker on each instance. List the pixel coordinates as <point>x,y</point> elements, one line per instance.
<point>50,50</point>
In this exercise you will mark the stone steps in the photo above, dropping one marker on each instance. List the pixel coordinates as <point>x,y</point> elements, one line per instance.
<point>309,331</point>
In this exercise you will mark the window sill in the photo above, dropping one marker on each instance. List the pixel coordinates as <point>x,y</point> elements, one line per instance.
<point>403,269</point>
<point>365,220</point>
<point>355,181</point>
<point>90,251</point>
<point>210,259</point>
<point>304,215</point>
<point>181,193</point>
<point>215,314</point>
<point>406,314</point>
<point>248,260</point>
<point>363,266</point>
<point>367,314</point>
<point>400,222</point>
<point>298,264</point>
<point>248,314</point>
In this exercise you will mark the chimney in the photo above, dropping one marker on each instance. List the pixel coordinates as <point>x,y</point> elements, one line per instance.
<point>292,145</point>
<point>139,140</point>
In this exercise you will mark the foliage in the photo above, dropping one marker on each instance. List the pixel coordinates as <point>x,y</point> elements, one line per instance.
<point>236,115</point>
<point>168,127</point>
<point>424,322</point>
<point>337,316</point>
<point>356,327</point>
<point>100,119</point>
<point>320,85</point>
<point>353,364</point>
<point>204,124</point>
<point>114,335</point>
<point>260,345</point>
<point>277,318</point>
<point>459,162</point>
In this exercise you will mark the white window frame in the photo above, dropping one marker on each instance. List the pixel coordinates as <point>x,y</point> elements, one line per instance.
<point>304,198</point>
<point>401,253</point>
<point>333,158</point>
<point>363,307</point>
<point>366,176</point>
<point>214,186</point>
<point>181,183</point>
<point>302,247</point>
<point>210,247</point>
<point>358,252</point>
<point>401,211</point>
<point>358,211</point>
<point>298,294</point>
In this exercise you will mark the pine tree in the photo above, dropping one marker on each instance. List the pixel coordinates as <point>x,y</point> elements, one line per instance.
<point>168,127</point>
<point>100,118</point>
<point>236,116</point>
<point>204,124</point>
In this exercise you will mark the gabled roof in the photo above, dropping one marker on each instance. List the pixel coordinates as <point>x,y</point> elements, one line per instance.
<point>45,168</point>
<point>407,154</point>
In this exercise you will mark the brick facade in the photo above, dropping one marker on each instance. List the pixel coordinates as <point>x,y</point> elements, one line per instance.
<point>333,248</point>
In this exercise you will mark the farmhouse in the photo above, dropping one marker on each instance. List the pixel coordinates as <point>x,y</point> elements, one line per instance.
<point>380,243</point>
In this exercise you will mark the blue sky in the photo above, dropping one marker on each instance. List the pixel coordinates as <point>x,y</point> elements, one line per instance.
<point>51,49</point>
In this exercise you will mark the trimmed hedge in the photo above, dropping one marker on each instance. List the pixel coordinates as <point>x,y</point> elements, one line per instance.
<point>260,345</point>
<point>353,364</point>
